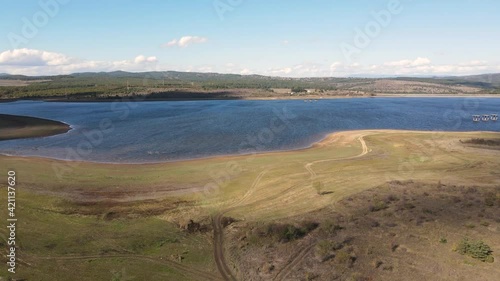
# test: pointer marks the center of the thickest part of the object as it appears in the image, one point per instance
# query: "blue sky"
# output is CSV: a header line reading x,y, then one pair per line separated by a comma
x,y
281,37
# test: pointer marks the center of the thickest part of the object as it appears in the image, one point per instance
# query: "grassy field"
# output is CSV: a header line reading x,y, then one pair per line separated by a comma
x,y
16,127
87,221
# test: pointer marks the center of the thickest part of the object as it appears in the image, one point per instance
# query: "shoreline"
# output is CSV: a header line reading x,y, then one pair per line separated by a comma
x,y
324,141
311,97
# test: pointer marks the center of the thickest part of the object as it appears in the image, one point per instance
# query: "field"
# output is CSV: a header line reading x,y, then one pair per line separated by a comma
x,y
359,205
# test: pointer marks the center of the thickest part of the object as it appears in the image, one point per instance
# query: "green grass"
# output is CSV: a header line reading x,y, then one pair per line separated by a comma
x,y
52,224
44,232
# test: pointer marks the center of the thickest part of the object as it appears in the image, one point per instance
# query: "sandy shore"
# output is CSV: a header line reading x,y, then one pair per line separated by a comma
x,y
334,138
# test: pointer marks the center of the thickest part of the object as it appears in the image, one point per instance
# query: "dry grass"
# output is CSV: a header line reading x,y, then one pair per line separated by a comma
x,y
273,188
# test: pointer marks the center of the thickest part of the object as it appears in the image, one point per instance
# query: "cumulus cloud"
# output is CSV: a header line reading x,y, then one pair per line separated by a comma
x,y
245,71
406,67
185,41
30,57
40,62
144,59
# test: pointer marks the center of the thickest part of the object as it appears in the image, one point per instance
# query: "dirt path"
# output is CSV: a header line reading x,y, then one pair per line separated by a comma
x,y
365,151
300,255
251,190
220,260
183,269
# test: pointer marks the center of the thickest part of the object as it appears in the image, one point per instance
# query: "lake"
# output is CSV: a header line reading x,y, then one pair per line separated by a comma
x,y
142,132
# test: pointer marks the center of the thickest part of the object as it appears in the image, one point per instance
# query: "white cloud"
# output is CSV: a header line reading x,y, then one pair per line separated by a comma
x,y
144,59
185,41
245,71
280,71
30,57
39,62
407,67
410,63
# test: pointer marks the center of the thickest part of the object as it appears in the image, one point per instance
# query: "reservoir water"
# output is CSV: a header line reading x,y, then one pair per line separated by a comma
x,y
141,132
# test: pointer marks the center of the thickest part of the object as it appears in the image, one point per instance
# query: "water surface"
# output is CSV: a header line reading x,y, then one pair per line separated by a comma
x,y
164,131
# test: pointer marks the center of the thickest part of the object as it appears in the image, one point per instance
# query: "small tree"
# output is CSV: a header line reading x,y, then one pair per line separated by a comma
x,y
318,186
299,89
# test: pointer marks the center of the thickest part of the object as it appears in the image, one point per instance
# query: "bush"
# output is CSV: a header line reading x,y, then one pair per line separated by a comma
x,y
324,250
287,232
331,227
378,206
318,186
475,249
343,257
299,90
490,199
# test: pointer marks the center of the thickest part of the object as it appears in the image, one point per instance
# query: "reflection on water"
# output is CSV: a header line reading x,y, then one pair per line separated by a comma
x,y
165,131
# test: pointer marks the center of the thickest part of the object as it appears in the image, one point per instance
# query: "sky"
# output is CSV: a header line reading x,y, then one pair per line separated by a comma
x,y
289,38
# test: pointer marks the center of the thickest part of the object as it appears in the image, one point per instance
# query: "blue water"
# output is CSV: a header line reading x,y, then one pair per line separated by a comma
x,y
164,131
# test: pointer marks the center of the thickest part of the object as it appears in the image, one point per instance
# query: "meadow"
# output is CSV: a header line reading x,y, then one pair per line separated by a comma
x,y
206,219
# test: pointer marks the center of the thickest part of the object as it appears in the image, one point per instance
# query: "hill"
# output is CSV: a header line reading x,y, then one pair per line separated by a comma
x,y
195,85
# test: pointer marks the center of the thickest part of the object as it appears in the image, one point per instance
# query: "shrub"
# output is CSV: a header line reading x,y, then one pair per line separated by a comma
x,y
331,227
485,223
408,206
470,225
475,249
343,257
318,186
378,206
490,199
392,198
324,250
288,232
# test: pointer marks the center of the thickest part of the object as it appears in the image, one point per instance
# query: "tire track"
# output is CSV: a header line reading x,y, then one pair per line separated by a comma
x,y
220,260
219,257
183,269
222,266
303,251
364,151
298,258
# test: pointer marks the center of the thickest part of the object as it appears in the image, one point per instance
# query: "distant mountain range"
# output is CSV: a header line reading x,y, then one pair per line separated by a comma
x,y
175,84
483,81
493,78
